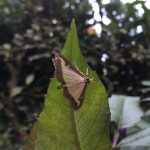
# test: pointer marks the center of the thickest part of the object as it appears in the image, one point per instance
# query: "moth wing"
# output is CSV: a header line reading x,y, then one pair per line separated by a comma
x,y
72,79
70,75
75,94
65,72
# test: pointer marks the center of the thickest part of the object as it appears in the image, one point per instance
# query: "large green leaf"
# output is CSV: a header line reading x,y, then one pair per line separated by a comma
x,y
59,126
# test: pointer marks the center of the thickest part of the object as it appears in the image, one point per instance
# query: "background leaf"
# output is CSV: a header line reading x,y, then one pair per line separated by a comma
x,y
30,79
125,110
141,138
146,83
15,91
135,148
59,126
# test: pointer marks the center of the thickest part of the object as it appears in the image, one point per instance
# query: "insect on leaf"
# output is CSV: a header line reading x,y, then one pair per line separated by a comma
x,y
59,125
72,80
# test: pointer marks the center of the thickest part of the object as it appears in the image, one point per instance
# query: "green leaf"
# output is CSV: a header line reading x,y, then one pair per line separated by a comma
x,y
59,126
141,138
125,110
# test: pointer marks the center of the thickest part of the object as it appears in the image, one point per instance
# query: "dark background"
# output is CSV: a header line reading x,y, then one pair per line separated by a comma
x,y
31,29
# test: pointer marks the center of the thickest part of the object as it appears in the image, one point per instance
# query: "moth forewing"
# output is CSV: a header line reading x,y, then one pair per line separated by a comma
x,y
72,80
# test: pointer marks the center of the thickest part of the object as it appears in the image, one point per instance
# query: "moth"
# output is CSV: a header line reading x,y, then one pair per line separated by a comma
x,y
73,82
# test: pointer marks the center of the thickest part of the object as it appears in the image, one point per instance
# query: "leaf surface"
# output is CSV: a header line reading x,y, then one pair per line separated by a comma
x,y
59,126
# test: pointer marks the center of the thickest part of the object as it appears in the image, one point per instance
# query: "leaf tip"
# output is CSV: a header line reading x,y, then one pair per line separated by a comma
x,y
73,24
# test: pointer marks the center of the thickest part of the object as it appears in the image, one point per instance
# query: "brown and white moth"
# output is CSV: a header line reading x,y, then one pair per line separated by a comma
x,y
72,80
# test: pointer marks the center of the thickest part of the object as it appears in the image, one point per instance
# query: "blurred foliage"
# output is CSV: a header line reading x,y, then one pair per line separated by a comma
x,y
129,123
31,29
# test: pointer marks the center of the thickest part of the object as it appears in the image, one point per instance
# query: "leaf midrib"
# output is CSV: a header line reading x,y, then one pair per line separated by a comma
x,y
75,132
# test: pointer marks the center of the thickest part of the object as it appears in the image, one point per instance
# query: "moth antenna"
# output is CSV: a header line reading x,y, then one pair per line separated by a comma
x,y
87,71
76,66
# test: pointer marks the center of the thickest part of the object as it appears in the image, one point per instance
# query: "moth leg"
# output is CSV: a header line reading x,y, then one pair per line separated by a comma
x,y
76,66
92,80
87,71
62,86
